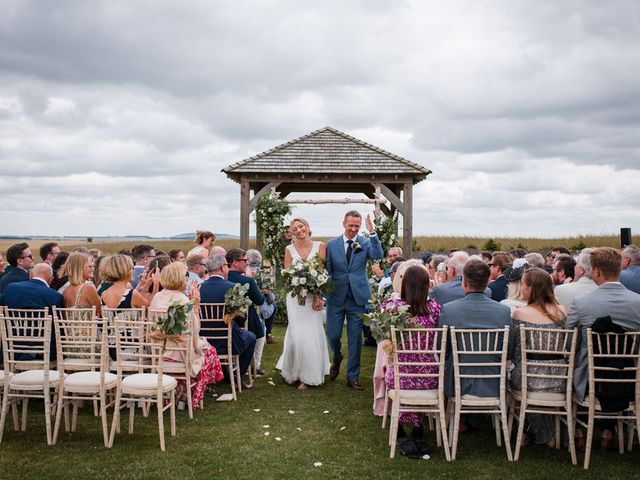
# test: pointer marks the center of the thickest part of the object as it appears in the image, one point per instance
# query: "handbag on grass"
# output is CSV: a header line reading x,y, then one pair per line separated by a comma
x,y
414,448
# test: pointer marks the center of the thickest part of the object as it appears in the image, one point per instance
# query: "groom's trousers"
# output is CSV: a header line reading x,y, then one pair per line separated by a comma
x,y
336,315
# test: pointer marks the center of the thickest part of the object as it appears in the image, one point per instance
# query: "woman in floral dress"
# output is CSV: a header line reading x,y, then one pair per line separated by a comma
x,y
413,292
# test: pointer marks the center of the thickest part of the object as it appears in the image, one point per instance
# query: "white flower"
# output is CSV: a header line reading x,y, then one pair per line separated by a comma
x,y
393,236
295,281
303,281
313,273
298,266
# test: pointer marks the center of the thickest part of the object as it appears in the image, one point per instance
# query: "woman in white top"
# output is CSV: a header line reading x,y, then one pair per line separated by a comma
x,y
204,241
305,358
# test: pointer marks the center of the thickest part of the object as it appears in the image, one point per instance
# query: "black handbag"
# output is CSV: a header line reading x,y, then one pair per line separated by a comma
x,y
414,448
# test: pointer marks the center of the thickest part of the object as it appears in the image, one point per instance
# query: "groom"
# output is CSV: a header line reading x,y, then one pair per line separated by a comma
x,y
347,258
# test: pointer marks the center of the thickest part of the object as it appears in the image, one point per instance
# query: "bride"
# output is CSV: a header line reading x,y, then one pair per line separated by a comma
x,y
305,357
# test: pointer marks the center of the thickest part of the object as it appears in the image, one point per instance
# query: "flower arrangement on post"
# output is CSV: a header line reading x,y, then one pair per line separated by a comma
x,y
270,214
306,278
236,302
174,324
264,280
381,320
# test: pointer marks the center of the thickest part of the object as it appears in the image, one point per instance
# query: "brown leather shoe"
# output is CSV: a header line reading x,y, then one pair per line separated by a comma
x,y
354,384
246,386
606,440
334,371
270,340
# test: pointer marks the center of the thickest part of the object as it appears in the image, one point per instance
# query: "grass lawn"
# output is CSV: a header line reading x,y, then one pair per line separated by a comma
x,y
227,440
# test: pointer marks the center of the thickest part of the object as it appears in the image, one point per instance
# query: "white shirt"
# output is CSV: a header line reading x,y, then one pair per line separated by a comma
x,y
345,240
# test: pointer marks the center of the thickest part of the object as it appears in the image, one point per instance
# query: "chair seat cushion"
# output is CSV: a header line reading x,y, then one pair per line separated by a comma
x,y
147,381
33,378
174,366
415,397
540,396
90,379
72,362
474,400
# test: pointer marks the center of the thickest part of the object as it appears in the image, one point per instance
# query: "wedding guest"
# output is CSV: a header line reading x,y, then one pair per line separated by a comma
x,y
515,297
34,293
542,311
499,285
630,276
610,299
59,280
213,290
49,251
486,256
204,241
425,313
535,260
563,270
392,255
452,289
97,275
197,268
117,271
95,253
20,262
582,283
142,255
177,255
217,249
267,311
552,256
435,261
205,365
1,266
398,279
386,284
80,292
81,249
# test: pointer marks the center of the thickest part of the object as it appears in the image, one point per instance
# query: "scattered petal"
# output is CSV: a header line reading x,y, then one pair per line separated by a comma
x,y
299,429
265,426
270,378
326,411
426,456
291,412
317,464
271,383
343,428
256,409
214,395
266,434
277,439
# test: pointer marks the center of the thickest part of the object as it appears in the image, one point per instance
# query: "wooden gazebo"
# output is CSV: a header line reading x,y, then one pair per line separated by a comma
x,y
329,160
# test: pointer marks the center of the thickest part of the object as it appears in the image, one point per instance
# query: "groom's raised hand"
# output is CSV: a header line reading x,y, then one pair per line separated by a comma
x,y
369,224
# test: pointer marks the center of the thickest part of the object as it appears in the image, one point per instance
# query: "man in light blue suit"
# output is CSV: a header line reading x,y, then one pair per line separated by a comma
x,y
630,276
452,290
347,257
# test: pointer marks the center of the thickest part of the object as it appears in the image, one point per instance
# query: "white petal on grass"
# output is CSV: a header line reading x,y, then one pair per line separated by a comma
x,y
291,412
266,434
271,383
299,429
343,428
265,426
317,464
277,439
426,456
256,409
326,411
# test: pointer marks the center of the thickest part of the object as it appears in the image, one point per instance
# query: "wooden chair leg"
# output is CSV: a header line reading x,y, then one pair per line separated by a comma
x,y
587,453
160,420
189,406
620,429
3,412
59,414
172,412
74,418
557,429
116,417
25,407
571,430
393,428
132,413
47,417
505,431
386,406
496,427
456,430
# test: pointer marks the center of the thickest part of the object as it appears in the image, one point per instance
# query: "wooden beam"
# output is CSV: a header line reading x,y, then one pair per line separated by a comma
x,y
393,198
260,193
383,208
245,190
407,219
341,201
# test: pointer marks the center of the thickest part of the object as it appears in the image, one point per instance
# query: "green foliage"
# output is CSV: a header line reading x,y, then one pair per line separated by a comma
x,y
471,246
270,214
578,246
381,320
176,320
491,245
520,245
387,231
89,239
236,300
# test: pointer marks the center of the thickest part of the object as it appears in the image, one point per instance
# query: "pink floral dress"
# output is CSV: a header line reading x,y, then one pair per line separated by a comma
x,y
419,383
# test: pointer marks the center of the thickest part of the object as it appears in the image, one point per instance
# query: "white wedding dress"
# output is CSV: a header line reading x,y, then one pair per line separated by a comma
x,y
305,357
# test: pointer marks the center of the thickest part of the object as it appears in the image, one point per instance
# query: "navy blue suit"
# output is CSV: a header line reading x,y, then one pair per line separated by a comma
x,y
499,288
11,275
256,296
33,294
243,343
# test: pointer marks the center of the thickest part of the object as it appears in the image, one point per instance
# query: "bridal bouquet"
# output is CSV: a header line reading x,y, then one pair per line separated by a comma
x,y
236,302
306,278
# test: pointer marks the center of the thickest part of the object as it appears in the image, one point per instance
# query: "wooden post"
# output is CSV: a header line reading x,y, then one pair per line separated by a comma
x,y
407,218
244,214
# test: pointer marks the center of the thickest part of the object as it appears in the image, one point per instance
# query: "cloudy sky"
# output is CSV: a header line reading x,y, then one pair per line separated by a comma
x,y
116,117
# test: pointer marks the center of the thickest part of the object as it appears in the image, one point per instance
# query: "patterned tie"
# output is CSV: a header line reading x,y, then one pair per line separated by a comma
x,y
349,250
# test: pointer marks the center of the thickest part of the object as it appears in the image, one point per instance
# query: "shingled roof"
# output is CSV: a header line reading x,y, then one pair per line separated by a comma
x,y
325,151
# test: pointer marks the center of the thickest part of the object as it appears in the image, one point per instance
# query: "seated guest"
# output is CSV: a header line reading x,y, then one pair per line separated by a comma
x,y
630,276
513,275
386,284
59,281
582,283
399,276
217,249
393,254
197,268
237,260
34,293
553,255
452,289
267,310
535,260
486,257
177,255
563,270
117,271
610,299
499,285
213,290
414,290
80,292
542,311
95,253
1,266
142,255
20,262
204,241
474,310
49,251
97,276
205,365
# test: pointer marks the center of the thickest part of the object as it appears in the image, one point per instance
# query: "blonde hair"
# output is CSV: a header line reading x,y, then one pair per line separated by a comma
x,y
202,235
116,267
173,276
74,266
412,262
302,221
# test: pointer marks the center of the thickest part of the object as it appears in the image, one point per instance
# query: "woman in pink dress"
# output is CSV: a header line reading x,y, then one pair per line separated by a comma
x,y
414,290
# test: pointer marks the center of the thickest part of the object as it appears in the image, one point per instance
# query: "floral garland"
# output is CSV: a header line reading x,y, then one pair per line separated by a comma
x,y
270,214
387,231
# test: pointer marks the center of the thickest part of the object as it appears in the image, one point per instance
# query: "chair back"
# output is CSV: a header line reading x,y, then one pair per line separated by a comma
x,y
81,343
213,325
136,351
26,312
542,345
416,348
26,343
614,368
109,314
76,313
480,356
182,349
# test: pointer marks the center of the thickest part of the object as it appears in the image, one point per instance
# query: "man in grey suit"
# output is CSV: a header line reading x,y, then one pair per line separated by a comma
x,y
630,276
475,310
611,298
452,289
582,283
